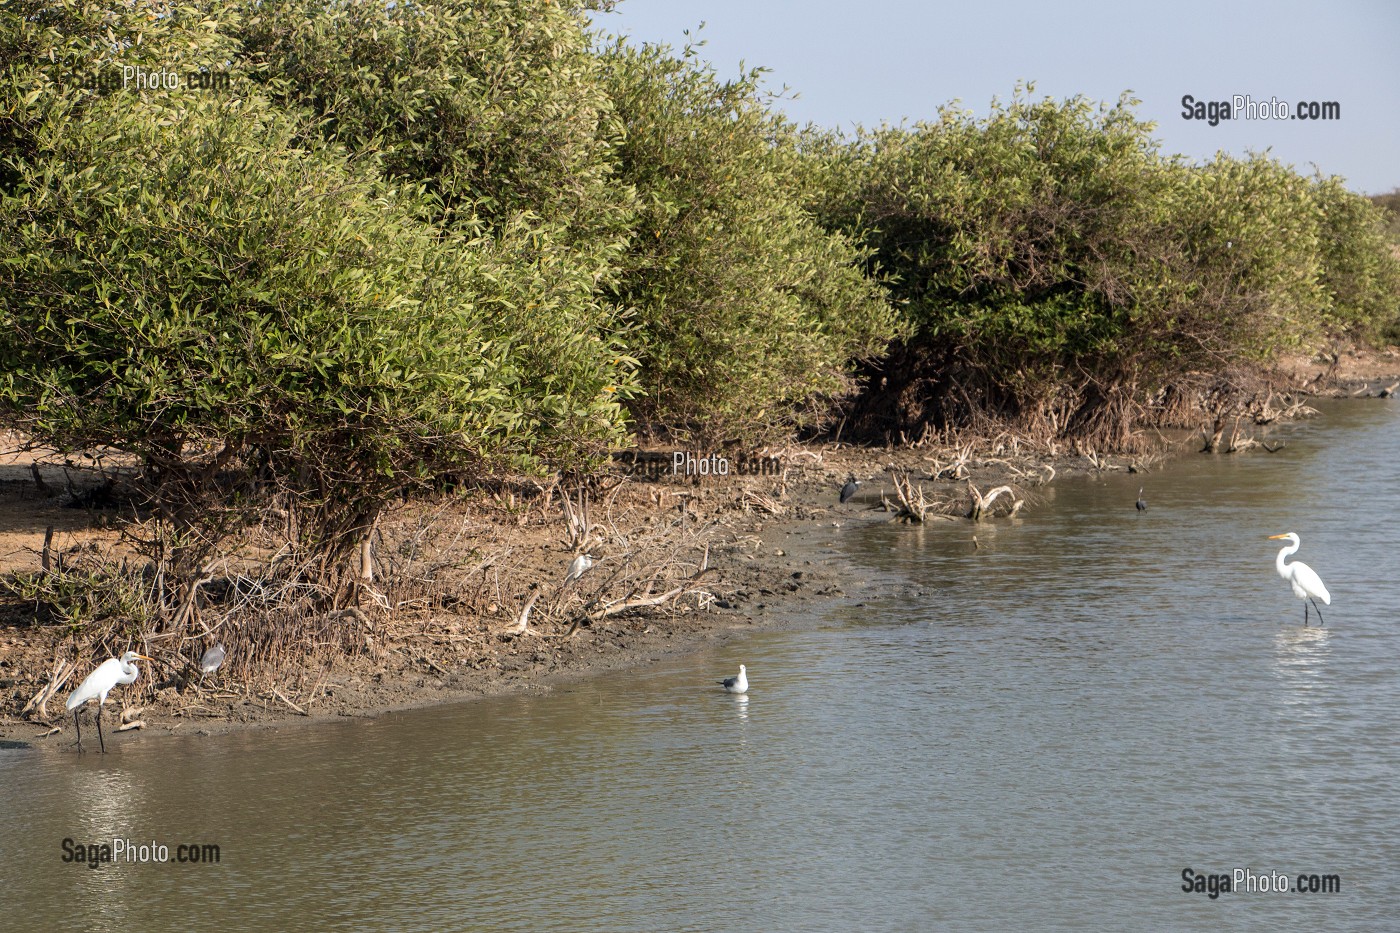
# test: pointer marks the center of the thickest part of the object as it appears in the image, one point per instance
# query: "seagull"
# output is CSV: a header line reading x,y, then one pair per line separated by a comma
x,y
210,661
739,684
107,675
579,566
849,490
1141,503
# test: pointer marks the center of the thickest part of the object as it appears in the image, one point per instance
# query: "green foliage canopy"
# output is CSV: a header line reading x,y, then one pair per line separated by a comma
x,y
747,309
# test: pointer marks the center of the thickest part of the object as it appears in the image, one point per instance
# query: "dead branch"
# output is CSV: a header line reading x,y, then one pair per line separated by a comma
x,y
914,506
522,625
578,529
62,671
760,501
278,693
612,609
982,504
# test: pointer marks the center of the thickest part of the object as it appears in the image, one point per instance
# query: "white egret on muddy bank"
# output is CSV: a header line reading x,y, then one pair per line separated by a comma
x,y
1306,583
108,674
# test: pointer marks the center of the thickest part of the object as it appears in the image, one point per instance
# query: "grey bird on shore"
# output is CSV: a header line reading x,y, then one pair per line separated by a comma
x,y
211,659
578,567
849,490
739,684
1141,503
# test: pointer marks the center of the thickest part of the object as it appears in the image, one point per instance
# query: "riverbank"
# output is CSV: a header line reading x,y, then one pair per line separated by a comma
x,y
764,542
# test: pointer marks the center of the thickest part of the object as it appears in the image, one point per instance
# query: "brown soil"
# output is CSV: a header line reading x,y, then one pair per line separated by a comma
x,y
767,539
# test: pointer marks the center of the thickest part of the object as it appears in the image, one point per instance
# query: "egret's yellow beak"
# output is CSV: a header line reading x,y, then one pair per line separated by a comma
x,y
1273,537
144,658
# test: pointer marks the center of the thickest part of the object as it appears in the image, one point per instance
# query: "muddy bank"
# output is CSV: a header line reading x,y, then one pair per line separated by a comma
x,y
765,542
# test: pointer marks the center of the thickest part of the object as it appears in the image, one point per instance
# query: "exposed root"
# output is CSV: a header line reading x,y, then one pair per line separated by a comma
x,y
981,507
37,704
913,506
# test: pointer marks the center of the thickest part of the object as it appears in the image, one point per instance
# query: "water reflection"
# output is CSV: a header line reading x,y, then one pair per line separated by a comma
x,y
1302,652
741,707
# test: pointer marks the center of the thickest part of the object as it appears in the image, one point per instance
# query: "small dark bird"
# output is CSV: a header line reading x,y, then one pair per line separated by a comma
x,y
849,490
1141,503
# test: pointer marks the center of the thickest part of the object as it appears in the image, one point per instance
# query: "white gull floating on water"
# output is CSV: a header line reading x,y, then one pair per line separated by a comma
x,y
739,684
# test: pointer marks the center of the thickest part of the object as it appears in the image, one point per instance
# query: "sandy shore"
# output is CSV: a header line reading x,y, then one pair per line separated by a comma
x,y
766,538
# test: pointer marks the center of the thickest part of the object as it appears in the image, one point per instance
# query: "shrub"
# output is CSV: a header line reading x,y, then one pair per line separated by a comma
x,y
192,279
1058,269
747,311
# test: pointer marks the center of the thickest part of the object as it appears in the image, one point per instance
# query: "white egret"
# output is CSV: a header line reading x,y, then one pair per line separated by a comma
x,y
1304,580
849,490
578,567
739,684
108,674
209,662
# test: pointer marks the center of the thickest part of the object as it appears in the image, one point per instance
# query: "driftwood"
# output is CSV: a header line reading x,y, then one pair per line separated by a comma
x,y
522,625
914,506
278,693
982,504
957,466
634,601
760,501
62,671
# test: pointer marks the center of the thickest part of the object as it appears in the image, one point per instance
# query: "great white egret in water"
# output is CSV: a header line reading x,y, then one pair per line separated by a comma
x,y
739,684
849,490
1304,580
209,662
578,567
108,674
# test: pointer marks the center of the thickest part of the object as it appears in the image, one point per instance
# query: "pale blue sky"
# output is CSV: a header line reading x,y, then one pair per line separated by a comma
x,y
880,60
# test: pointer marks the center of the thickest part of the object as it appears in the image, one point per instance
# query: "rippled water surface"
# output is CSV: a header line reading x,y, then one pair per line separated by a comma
x,y
1060,722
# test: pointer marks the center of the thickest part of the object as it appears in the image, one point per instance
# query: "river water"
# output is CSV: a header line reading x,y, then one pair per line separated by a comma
x,y
1042,735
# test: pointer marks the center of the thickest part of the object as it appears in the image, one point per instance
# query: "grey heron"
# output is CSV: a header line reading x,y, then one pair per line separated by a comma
x,y
209,662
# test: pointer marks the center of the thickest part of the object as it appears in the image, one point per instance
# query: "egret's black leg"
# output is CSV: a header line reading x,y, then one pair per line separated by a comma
x,y
100,740
1305,613
79,728
1320,620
